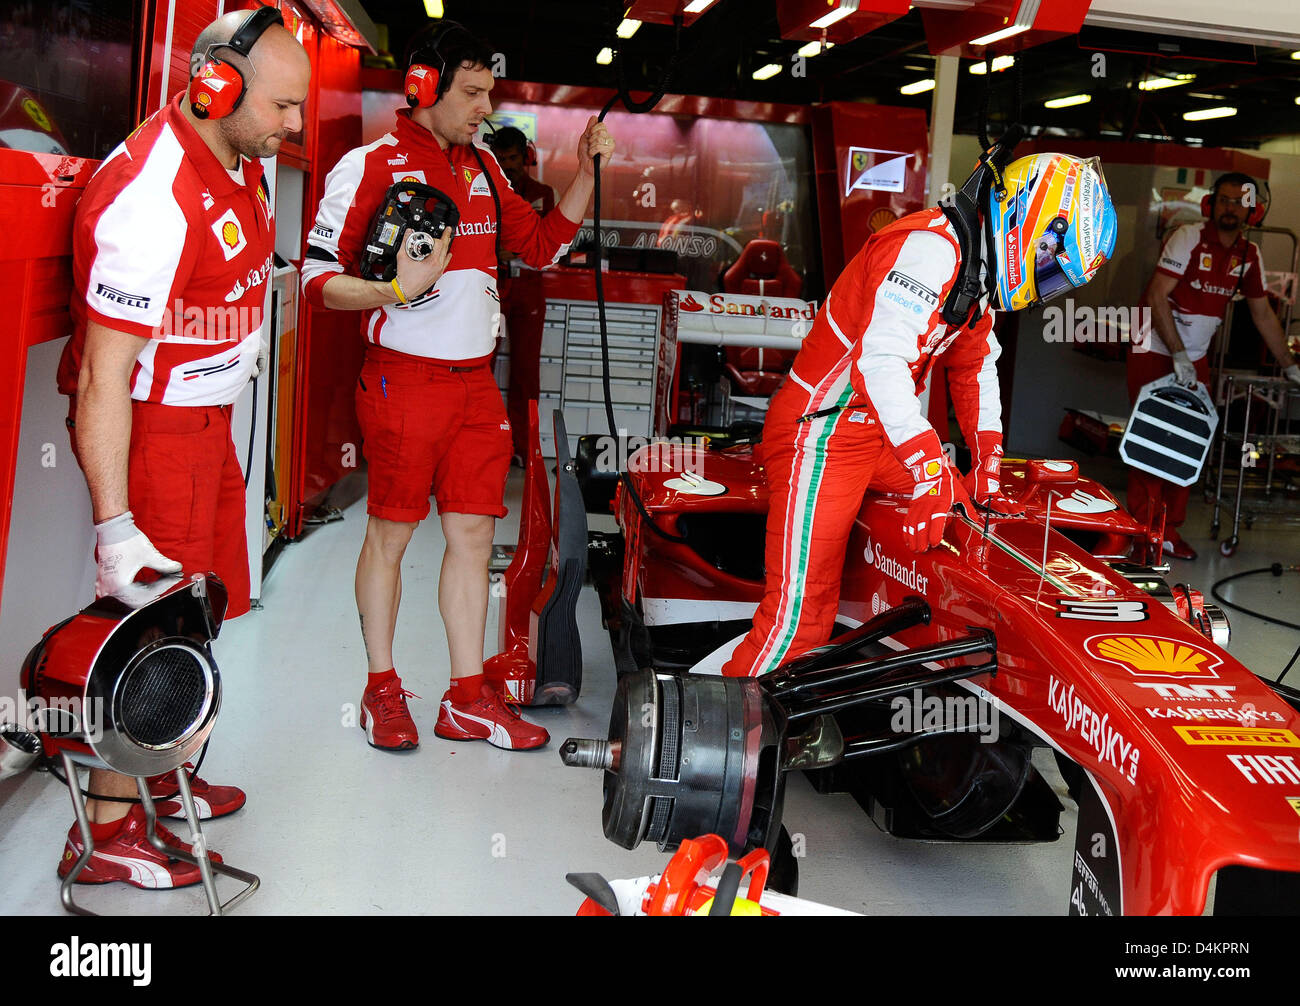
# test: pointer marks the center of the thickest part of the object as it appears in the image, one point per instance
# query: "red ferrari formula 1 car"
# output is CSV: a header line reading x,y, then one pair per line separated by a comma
x,y
949,669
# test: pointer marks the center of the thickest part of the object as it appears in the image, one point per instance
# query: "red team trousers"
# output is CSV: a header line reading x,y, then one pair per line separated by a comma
x,y
817,475
1146,492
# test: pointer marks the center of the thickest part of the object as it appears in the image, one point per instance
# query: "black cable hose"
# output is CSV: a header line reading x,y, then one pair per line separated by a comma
x,y
636,107
252,431
984,102
1277,569
1020,87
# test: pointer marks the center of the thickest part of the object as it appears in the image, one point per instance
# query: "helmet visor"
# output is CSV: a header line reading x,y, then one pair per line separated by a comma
x,y
1050,279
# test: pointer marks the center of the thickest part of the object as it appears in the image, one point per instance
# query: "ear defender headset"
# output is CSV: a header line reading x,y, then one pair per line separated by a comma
x,y
425,77
1257,212
218,88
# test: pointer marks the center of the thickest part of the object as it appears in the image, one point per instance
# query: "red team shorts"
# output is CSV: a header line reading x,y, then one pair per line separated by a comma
x,y
186,490
431,428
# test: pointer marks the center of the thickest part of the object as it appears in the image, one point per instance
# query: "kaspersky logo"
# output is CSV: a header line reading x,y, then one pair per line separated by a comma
x,y
1154,656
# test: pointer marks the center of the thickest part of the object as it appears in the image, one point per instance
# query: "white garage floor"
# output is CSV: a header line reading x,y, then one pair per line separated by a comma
x,y
335,827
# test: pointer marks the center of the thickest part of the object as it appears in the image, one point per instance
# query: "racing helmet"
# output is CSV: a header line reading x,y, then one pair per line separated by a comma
x,y
1051,226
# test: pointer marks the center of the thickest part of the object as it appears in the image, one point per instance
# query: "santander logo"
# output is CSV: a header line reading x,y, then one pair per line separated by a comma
x,y
689,303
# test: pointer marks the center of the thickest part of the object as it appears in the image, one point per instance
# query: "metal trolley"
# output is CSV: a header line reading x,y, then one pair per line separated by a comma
x,y
1268,463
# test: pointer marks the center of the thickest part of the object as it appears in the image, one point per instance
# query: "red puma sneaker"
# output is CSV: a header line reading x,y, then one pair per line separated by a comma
x,y
209,801
385,718
128,856
492,717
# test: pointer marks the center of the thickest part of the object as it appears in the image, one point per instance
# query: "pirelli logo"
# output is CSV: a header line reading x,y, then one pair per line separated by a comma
x,y
1255,737
913,287
122,297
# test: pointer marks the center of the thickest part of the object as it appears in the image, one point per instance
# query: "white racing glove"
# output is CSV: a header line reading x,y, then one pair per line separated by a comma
x,y
122,551
1184,369
1292,373
263,357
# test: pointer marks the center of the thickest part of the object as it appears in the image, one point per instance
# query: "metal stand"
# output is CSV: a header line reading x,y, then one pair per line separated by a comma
x,y
1273,394
206,866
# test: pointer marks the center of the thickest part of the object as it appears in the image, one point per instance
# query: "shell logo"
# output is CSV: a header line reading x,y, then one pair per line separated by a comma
x,y
932,468
1151,655
410,178
880,219
230,234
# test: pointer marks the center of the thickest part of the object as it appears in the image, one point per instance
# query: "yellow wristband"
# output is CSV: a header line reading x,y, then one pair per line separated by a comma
x,y
398,290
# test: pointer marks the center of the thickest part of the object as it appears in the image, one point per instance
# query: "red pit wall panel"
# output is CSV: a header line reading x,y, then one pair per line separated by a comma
x,y
330,346
877,134
37,202
185,19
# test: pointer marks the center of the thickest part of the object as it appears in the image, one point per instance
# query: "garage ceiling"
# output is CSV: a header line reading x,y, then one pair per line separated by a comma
x,y
557,42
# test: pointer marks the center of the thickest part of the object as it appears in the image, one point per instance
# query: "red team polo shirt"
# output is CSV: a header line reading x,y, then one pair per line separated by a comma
x,y
170,245
456,320
1208,276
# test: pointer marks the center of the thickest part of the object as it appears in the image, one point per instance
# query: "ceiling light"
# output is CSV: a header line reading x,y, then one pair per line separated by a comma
x,y
1073,99
917,87
770,70
433,8
998,36
698,6
627,27
815,48
1296,54
1160,83
845,8
999,63
1207,97
605,56
1222,112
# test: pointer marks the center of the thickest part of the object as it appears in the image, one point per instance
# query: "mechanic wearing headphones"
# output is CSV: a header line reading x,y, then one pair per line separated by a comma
x,y
175,220
430,413
523,301
1202,267
848,416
